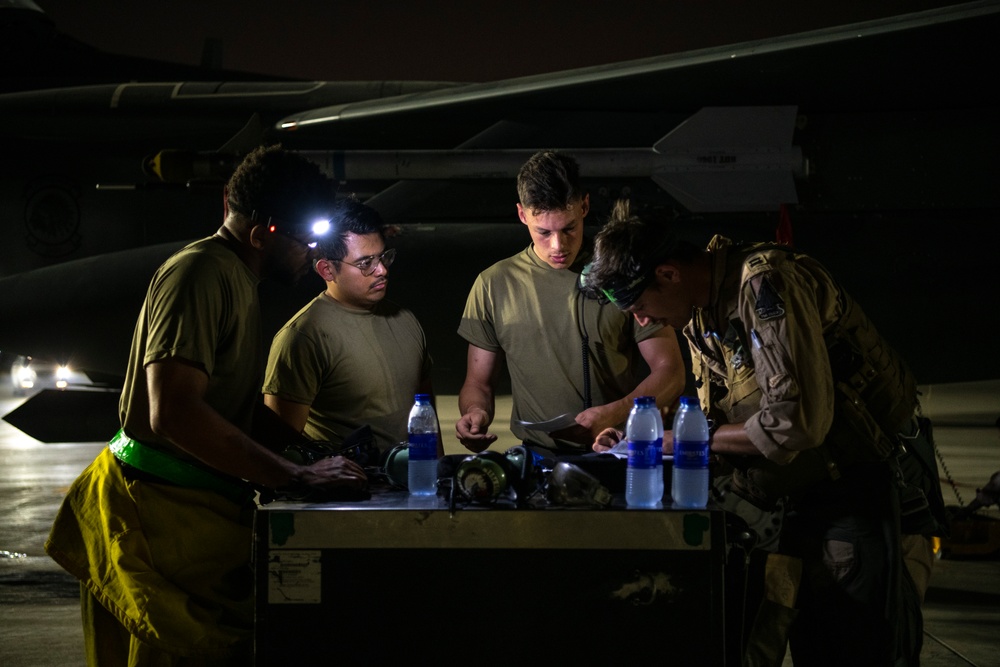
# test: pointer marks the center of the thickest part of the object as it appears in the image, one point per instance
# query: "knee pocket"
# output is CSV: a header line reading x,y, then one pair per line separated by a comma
x,y
836,566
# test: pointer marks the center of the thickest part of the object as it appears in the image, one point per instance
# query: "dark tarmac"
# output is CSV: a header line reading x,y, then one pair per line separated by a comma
x,y
39,608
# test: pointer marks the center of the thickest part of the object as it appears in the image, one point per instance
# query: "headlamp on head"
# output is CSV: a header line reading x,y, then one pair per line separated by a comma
x,y
307,232
321,227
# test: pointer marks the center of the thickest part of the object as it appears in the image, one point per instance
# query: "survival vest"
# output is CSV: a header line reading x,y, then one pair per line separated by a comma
x,y
875,397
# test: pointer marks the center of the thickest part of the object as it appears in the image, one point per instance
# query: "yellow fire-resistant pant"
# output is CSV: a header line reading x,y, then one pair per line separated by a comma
x,y
171,565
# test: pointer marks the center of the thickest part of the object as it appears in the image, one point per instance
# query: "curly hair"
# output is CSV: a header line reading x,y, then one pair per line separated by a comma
x,y
349,216
548,181
279,183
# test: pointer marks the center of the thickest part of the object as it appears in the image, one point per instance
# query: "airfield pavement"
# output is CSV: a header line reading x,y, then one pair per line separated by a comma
x,y
39,609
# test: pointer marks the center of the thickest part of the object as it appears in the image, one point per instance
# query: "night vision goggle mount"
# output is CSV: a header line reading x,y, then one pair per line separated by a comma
x,y
625,289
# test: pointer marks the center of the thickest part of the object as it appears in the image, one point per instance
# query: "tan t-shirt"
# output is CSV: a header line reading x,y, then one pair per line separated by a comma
x,y
201,306
537,318
351,366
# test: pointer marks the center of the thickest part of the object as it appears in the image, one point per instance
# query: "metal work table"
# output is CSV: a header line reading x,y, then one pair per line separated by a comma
x,y
398,578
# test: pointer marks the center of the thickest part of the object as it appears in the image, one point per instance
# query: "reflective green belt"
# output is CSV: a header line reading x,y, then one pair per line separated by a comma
x,y
172,469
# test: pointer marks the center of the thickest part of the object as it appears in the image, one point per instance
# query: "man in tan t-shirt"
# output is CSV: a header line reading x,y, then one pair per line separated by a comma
x,y
565,355
350,357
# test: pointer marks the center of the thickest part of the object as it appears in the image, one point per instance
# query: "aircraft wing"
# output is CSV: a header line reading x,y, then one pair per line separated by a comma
x,y
896,113
922,60
882,133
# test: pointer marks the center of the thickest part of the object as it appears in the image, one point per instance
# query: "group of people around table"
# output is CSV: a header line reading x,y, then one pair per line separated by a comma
x,y
158,528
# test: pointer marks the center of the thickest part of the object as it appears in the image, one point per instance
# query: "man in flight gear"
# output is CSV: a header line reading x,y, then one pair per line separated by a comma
x,y
811,406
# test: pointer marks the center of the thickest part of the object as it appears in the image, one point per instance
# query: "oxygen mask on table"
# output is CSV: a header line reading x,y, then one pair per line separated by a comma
x,y
571,485
489,476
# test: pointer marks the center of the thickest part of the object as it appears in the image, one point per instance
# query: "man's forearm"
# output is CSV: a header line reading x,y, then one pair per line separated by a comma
x,y
270,430
733,439
218,443
663,384
471,397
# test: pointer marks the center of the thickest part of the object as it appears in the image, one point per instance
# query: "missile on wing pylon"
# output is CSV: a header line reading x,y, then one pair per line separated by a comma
x,y
729,159
722,159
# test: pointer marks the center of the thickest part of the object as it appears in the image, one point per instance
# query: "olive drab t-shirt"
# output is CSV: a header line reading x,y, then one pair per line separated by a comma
x,y
202,306
353,367
537,318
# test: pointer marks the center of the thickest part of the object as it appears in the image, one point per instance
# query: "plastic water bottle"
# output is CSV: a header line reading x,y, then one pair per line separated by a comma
x,y
644,432
423,441
689,484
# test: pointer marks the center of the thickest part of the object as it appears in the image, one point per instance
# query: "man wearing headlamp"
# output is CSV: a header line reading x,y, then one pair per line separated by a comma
x,y
813,405
158,528
350,357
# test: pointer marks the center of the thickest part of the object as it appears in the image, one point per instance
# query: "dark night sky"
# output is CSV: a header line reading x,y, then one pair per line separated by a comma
x,y
441,39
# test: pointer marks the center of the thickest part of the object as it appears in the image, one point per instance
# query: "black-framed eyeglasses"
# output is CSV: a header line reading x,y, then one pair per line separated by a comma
x,y
367,265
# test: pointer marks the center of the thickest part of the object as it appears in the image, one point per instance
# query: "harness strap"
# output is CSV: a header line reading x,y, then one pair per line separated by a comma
x,y
171,469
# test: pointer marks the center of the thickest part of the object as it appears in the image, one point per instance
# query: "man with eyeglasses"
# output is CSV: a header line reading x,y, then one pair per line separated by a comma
x,y
566,355
350,357
158,529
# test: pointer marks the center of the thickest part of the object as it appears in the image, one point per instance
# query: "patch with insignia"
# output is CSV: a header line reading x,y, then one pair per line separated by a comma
x,y
769,305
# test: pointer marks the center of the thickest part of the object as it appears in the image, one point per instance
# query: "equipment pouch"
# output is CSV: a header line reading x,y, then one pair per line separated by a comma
x,y
763,483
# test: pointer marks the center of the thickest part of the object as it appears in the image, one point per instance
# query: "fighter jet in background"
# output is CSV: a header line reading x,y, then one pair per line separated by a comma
x,y
876,140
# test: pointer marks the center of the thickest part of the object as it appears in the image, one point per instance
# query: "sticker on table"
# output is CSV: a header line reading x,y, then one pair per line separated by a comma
x,y
294,577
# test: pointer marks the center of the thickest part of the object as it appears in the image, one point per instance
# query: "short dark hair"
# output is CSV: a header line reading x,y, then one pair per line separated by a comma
x,y
548,181
271,181
349,216
627,251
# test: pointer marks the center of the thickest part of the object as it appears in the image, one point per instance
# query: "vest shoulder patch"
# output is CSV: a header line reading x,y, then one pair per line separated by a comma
x,y
769,304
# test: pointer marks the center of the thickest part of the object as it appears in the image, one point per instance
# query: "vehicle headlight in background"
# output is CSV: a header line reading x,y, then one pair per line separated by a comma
x,y
25,377
62,376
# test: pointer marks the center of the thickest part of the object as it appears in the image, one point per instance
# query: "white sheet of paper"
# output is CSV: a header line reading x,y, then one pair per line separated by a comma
x,y
621,451
550,425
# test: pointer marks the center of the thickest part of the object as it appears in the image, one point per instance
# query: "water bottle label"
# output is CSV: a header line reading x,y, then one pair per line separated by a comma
x,y
423,446
645,454
690,455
